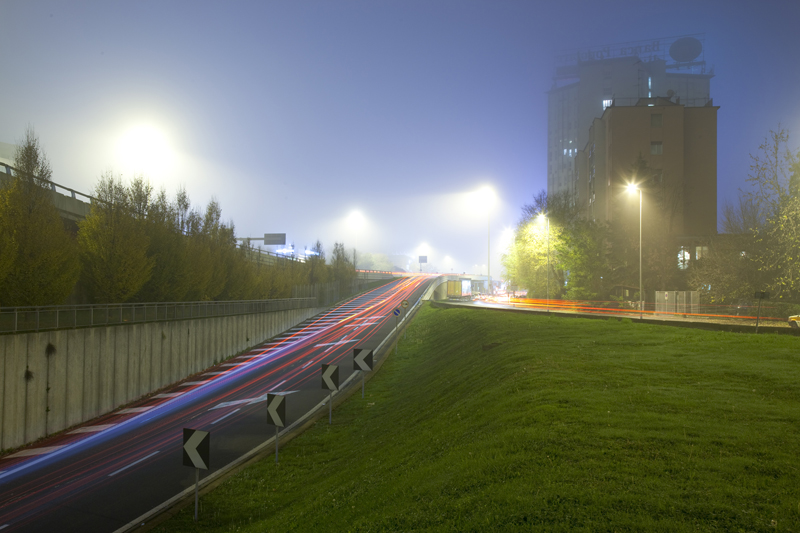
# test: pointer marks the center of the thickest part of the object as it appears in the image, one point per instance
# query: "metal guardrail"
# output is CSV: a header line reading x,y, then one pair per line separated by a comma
x,y
25,319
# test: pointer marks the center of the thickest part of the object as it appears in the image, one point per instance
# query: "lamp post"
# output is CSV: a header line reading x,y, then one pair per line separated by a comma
x,y
632,187
546,221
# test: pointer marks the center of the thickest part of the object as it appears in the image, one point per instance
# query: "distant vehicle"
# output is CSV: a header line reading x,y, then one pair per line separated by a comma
x,y
459,289
793,321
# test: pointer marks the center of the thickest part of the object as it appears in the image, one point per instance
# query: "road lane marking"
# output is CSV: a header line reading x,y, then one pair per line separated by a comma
x,y
133,463
190,383
305,365
167,395
35,451
134,410
4,526
228,404
334,343
91,429
224,417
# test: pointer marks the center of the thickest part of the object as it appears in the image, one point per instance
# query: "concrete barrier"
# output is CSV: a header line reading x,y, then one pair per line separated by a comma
x,y
53,380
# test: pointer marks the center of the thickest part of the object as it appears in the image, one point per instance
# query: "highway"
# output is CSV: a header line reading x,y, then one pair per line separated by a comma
x,y
101,476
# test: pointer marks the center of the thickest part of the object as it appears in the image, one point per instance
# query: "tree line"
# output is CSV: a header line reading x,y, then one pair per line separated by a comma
x,y
136,245
579,259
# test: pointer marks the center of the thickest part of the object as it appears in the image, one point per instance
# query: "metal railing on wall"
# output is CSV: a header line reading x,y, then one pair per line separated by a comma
x,y
25,319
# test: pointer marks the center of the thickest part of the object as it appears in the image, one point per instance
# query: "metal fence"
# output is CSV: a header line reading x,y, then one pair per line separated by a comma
x,y
21,319
677,302
329,293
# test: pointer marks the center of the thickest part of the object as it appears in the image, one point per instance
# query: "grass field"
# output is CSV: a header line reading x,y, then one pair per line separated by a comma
x,y
492,421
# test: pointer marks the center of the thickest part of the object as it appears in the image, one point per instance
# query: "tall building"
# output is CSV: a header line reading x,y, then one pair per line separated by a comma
x,y
676,147
588,81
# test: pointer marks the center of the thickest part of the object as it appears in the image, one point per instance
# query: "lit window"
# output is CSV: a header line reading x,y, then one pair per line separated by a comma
x,y
683,258
656,148
656,120
606,103
700,252
565,151
649,87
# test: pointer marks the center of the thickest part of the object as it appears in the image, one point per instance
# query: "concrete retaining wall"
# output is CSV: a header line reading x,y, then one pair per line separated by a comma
x,y
52,380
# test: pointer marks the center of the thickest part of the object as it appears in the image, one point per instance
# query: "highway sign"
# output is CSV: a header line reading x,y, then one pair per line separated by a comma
x,y
330,377
404,304
274,238
362,359
276,409
196,445
397,311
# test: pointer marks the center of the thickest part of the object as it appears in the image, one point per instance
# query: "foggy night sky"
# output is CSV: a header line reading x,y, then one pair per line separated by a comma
x,y
295,113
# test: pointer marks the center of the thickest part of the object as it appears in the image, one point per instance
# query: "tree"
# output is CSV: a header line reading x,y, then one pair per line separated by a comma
x,y
45,265
730,269
169,280
775,177
8,245
342,269
113,243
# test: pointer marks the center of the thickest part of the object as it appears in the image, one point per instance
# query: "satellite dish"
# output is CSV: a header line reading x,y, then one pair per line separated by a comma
x,y
685,49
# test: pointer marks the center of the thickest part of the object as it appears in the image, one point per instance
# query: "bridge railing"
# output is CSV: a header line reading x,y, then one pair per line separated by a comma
x,y
25,319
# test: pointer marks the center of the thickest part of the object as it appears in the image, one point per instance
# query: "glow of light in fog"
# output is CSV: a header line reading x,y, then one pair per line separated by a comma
x,y
356,220
145,149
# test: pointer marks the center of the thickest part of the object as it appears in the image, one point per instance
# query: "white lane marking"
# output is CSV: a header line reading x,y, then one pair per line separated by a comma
x,y
167,395
334,343
4,526
258,400
224,417
35,451
190,383
281,383
134,410
91,429
133,463
305,365
228,404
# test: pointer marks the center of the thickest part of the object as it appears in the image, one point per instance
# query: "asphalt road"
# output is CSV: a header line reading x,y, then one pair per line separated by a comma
x,y
103,475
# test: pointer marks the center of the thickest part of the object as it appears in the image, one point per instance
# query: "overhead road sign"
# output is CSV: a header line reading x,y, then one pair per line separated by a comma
x,y
362,359
196,447
275,238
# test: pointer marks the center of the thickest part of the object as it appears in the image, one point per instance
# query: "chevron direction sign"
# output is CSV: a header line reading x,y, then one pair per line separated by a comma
x,y
196,445
276,408
362,359
330,377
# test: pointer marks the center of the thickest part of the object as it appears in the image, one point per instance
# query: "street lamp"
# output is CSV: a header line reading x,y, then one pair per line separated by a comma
x,y
487,194
543,218
632,187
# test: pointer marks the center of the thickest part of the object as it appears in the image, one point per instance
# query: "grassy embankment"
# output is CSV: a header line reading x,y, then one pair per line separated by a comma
x,y
497,421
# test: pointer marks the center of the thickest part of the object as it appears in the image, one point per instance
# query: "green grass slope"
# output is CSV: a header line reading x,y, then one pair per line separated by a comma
x,y
492,421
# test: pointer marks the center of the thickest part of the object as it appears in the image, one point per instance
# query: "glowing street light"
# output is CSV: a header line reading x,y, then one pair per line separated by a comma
x,y
543,219
633,187
488,196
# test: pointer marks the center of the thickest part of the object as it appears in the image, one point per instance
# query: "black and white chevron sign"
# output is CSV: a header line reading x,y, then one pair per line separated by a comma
x,y
276,409
196,448
330,377
362,359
